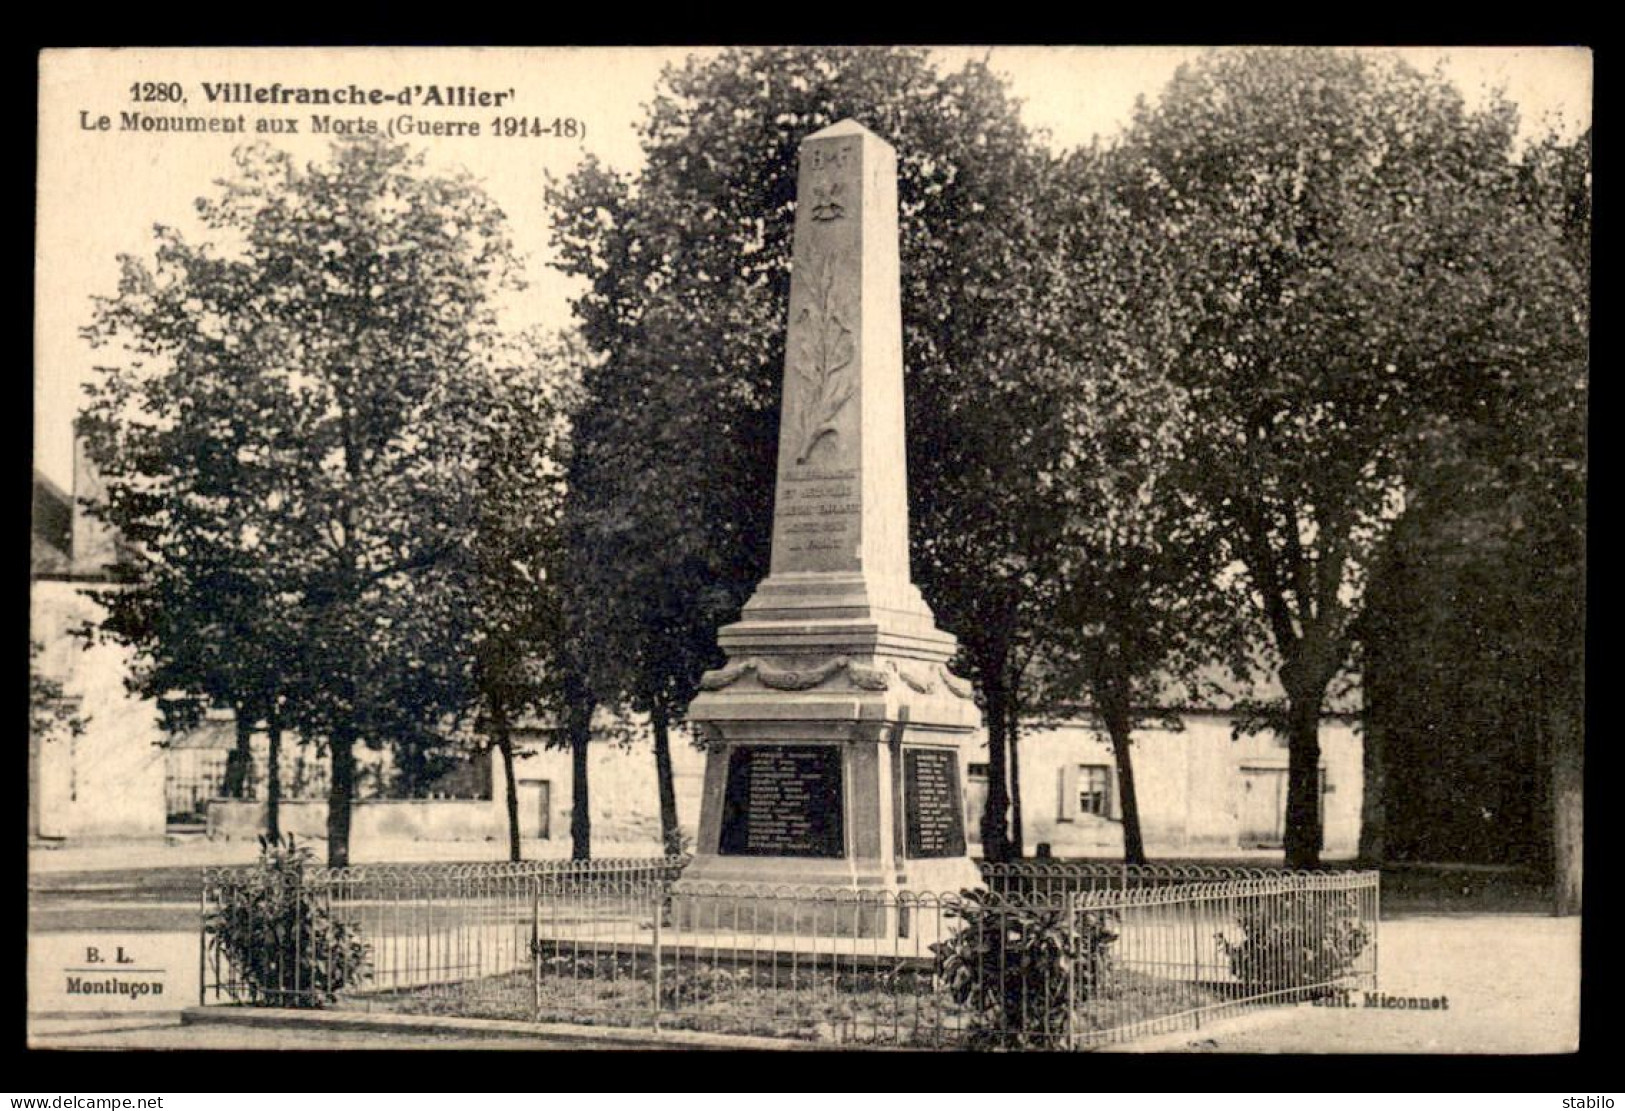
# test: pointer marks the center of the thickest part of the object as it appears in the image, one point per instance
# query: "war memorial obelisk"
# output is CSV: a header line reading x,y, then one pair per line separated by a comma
x,y
834,733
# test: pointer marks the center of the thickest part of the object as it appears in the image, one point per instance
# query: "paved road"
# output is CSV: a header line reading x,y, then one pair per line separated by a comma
x,y
1512,982
85,1034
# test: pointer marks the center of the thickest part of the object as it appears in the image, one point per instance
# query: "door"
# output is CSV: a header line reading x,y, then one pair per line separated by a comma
x,y
1263,808
536,799
544,809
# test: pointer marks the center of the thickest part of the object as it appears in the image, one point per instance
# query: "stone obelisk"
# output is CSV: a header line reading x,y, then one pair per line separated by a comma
x,y
834,732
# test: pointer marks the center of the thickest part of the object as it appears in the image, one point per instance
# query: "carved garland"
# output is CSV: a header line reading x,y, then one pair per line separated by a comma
x,y
956,686
801,679
914,682
794,679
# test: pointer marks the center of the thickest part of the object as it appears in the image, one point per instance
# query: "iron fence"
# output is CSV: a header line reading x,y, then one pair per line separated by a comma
x,y
1064,957
1044,878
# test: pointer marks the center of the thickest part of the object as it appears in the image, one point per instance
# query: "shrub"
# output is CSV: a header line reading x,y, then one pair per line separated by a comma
x,y
1020,967
283,944
1296,940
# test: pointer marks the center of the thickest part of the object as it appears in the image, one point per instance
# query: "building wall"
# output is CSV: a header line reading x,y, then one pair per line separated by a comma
x,y
370,820
1194,785
1194,788
110,780
623,793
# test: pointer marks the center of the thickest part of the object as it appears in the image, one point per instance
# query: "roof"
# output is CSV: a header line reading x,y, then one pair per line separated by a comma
x,y
1213,689
51,549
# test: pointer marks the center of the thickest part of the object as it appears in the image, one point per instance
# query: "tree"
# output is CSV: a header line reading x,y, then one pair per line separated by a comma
x,y
510,560
1352,265
687,268
1475,630
279,416
1136,616
642,581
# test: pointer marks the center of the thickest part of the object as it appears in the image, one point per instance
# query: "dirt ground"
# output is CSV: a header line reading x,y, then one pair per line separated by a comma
x,y
1512,983
163,1034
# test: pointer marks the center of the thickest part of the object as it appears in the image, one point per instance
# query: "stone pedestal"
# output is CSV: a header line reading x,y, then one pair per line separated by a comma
x,y
834,733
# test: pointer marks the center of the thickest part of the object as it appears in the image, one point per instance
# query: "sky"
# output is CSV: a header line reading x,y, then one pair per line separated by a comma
x,y
102,186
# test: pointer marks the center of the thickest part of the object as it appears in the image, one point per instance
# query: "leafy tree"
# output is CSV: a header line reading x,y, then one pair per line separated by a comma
x,y
278,417
641,587
1475,631
510,561
1136,616
1351,265
687,268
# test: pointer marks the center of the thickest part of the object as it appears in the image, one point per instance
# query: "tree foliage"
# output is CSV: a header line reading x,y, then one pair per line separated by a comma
x,y
688,276
508,563
281,437
1476,630
1351,267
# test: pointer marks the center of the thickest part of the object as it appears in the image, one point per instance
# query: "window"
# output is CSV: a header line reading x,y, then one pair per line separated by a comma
x,y
976,771
1093,790
1086,789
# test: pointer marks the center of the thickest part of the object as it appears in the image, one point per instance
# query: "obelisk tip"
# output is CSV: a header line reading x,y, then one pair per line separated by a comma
x,y
844,127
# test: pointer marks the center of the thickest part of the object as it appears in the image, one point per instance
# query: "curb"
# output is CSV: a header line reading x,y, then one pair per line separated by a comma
x,y
1211,1031
617,1037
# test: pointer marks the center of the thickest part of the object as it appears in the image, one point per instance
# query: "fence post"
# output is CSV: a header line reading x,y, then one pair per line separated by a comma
x,y
536,949
659,910
1376,926
1074,943
1196,945
202,940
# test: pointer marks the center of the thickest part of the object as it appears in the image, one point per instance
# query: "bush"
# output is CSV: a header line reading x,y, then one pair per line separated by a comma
x,y
1296,939
284,945
1019,968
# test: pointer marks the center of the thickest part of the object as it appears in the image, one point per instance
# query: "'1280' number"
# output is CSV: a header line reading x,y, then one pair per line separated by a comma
x,y
164,91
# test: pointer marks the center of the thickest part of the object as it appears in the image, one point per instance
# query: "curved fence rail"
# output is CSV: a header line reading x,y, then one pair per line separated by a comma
x,y
1060,955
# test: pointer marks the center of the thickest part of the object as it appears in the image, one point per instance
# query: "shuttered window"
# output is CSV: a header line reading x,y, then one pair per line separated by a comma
x,y
1086,789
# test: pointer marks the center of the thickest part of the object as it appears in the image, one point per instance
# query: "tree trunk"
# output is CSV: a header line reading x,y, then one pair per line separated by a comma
x,y
995,833
1012,739
273,775
503,736
1119,721
240,761
580,730
1373,791
670,836
1563,725
340,796
1303,825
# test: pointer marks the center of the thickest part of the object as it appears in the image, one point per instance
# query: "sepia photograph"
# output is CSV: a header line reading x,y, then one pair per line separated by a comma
x,y
1055,549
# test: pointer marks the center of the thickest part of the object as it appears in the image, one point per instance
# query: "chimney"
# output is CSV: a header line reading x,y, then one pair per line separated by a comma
x,y
92,541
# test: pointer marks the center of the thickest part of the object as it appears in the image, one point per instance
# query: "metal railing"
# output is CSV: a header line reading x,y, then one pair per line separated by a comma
x,y
1056,878
1047,957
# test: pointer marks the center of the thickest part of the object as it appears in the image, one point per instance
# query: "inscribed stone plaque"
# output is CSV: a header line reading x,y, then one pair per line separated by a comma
x,y
783,800
934,818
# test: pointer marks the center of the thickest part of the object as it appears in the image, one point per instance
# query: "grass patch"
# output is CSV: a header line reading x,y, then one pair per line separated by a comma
x,y
902,1006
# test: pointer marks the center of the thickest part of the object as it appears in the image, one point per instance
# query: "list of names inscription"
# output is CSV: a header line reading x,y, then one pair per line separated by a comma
x,y
934,820
783,800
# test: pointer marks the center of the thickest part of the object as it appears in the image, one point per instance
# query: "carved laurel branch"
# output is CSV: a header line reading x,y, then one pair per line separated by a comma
x,y
822,357
794,679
